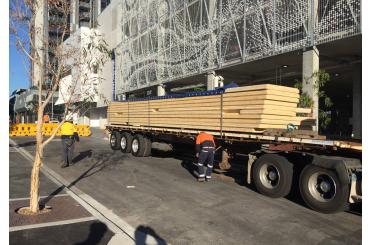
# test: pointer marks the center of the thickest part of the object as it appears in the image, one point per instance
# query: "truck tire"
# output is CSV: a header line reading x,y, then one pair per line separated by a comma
x,y
322,190
139,145
115,140
126,142
148,147
272,175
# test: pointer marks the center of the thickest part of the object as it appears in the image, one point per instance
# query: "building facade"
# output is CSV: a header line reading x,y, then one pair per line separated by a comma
x,y
168,45
162,47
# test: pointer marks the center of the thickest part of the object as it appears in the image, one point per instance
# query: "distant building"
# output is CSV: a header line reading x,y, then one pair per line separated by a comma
x,y
12,101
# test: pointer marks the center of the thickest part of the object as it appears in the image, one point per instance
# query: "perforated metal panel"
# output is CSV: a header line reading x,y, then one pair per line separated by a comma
x,y
168,40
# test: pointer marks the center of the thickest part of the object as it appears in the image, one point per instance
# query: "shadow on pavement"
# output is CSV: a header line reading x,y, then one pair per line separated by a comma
x,y
98,166
143,231
82,155
96,233
25,144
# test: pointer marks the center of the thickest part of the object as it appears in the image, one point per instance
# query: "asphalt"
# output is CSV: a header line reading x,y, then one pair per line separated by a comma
x,y
159,196
82,233
41,230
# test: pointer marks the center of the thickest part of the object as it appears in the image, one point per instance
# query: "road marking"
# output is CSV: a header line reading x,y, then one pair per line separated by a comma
x,y
25,198
102,213
63,222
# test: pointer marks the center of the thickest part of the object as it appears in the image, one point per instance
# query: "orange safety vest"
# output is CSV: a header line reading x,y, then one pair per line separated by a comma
x,y
202,137
46,118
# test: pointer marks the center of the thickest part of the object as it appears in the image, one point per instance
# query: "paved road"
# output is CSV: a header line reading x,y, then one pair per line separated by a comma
x,y
160,195
63,227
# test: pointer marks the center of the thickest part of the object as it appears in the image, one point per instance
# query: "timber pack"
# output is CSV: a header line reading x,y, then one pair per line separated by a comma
x,y
252,109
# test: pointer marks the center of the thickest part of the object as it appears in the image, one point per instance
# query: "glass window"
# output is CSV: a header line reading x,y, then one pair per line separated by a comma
x,y
104,4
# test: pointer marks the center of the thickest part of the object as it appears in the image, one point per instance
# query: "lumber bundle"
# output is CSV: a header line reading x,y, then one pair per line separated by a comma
x,y
244,109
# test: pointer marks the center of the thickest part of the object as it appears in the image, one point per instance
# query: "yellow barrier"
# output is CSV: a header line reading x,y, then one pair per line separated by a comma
x,y
29,129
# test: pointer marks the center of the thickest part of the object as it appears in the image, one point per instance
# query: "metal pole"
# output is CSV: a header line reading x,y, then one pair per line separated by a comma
x,y
52,108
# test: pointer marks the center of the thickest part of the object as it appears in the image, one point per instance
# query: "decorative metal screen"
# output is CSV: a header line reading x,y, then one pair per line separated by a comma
x,y
165,40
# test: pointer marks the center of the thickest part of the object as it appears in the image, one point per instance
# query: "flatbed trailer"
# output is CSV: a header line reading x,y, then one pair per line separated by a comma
x,y
328,173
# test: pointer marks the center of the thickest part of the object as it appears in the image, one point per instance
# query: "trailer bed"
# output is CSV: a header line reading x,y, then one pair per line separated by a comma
x,y
258,136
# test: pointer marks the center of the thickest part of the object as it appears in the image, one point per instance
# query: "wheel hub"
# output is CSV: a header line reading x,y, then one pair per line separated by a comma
x,y
123,143
113,140
135,145
272,175
325,186
322,187
269,175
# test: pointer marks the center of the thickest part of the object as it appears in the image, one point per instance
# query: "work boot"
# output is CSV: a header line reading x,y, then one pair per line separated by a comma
x,y
64,165
201,179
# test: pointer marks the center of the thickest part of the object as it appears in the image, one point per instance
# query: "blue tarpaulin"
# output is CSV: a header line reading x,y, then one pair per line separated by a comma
x,y
190,94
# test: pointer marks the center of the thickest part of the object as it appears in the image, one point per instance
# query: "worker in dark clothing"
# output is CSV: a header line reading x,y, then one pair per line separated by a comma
x,y
204,147
68,137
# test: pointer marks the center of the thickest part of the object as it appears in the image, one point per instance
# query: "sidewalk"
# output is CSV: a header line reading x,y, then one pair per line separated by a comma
x,y
68,222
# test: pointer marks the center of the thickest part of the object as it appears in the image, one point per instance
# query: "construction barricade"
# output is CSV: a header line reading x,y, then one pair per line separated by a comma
x,y
29,129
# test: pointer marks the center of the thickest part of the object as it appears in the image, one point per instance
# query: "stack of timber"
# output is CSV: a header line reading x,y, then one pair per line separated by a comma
x,y
244,109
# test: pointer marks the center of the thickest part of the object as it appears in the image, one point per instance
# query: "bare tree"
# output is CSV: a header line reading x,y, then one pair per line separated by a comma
x,y
69,63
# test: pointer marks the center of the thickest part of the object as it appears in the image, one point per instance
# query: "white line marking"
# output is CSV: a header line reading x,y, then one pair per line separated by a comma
x,y
41,197
105,215
63,222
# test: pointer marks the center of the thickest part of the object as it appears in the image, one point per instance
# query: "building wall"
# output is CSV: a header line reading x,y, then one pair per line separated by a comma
x,y
168,40
109,26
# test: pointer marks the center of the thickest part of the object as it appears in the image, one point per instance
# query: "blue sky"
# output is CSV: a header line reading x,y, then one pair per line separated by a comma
x,y
18,63
18,67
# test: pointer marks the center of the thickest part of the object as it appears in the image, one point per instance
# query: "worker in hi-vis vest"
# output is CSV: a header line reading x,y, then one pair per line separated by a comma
x,y
204,147
68,136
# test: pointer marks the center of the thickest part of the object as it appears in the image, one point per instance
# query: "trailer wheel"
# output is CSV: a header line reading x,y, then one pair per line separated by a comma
x,y
322,190
115,140
139,145
148,147
272,175
126,142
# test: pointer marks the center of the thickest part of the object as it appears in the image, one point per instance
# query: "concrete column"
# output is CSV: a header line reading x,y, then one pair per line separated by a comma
x,y
357,101
210,80
212,42
160,90
74,13
39,42
310,65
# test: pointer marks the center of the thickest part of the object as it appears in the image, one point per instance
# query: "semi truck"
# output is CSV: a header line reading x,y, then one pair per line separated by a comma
x,y
328,173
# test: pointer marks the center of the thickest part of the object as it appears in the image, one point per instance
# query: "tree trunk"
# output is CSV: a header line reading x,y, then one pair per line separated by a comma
x,y
35,183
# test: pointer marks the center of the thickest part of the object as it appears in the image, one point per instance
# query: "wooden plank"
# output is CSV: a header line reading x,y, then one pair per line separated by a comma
x,y
261,92
304,110
216,103
262,87
216,127
204,123
215,121
205,127
265,102
215,115
261,106
233,111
